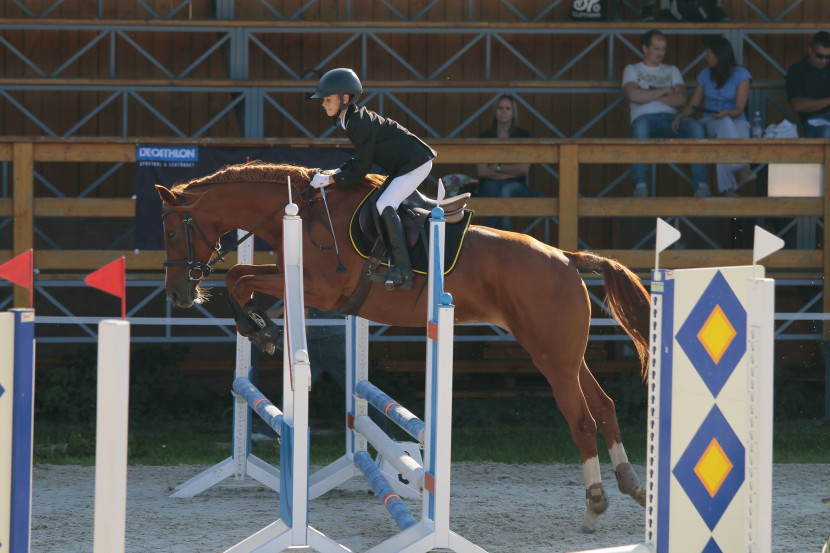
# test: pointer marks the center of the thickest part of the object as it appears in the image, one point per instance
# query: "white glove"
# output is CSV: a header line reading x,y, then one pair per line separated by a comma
x,y
320,180
331,171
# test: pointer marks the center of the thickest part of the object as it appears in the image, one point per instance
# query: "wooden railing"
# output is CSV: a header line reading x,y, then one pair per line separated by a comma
x,y
568,207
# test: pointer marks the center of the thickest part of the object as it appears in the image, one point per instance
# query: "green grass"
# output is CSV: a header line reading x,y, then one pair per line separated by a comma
x,y
193,441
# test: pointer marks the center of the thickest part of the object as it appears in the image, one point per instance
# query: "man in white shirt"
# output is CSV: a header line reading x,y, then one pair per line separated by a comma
x,y
655,91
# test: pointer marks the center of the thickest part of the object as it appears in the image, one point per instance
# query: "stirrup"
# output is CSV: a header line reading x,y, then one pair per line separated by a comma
x,y
392,278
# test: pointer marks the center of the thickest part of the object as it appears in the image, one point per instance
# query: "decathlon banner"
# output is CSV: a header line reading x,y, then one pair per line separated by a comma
x,y
710,411
171,165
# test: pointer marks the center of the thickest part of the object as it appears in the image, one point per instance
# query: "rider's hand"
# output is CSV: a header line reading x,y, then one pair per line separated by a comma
x,y
320,180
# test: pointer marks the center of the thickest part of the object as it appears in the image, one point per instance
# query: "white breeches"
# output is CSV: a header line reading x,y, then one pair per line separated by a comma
x,y
727,128
401,187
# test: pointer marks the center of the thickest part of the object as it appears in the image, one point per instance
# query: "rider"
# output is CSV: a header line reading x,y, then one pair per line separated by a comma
x,y
405,157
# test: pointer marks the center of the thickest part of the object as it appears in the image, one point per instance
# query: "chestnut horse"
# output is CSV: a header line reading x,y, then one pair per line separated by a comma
x,y
508,279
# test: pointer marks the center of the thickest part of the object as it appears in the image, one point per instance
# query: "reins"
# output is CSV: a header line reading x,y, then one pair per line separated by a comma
x,y
206,269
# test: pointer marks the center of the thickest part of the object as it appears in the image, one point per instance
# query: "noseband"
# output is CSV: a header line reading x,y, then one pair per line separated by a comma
x,y
198,269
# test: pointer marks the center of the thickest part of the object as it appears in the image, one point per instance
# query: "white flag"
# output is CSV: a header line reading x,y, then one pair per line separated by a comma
x,y
765,244
666,235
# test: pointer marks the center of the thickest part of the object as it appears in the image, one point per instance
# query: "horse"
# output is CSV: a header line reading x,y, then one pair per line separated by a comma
x,y
507,279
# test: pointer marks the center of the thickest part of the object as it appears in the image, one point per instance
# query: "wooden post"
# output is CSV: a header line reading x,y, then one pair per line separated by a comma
x,y
23,212
568,196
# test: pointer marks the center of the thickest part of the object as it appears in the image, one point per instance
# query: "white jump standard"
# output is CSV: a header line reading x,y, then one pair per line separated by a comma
x,y
291,529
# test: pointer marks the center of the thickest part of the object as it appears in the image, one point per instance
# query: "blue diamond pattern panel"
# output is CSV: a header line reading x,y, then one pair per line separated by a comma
x,y
717,309
712,547
712,450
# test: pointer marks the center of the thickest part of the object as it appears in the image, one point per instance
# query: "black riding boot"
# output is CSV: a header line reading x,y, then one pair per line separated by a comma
x,y
400,273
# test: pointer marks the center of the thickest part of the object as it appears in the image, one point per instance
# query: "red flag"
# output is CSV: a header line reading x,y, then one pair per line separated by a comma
x,y
112,279
19,270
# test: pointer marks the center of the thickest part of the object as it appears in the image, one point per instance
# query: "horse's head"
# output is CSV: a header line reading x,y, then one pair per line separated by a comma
x,y
188,247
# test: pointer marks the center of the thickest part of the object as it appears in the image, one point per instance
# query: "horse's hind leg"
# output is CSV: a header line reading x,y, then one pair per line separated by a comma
x,y
572,404
603,410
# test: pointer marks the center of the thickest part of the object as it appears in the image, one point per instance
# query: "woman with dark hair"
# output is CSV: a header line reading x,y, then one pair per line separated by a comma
x,y
721,95
504,180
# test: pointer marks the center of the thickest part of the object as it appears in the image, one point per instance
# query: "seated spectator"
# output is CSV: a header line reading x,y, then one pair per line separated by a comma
x,y
808,87
655,91
721,95
504,180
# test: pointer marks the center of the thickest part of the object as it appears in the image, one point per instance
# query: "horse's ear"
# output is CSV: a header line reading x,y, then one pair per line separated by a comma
x,y
166,195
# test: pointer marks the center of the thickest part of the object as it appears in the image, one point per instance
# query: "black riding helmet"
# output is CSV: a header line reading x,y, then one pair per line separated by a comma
x,y
339,81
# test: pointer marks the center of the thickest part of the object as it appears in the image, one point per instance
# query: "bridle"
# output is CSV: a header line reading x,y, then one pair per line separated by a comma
x,y
199,269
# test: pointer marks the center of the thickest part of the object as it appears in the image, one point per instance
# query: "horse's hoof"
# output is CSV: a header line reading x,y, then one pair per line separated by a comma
x,y
267,342
596,499
629,484
585,530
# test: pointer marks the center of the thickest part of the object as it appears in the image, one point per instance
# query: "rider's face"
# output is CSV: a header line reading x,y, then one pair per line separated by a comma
x,y
331,104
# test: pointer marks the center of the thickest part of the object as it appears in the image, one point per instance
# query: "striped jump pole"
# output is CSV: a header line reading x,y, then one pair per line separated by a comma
x,y
17,391
291,529
430,480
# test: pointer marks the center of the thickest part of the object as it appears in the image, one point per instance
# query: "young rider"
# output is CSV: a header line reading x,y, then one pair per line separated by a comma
x,y
377,140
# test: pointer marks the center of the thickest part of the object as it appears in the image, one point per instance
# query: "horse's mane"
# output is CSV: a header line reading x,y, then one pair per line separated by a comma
x,y
259,171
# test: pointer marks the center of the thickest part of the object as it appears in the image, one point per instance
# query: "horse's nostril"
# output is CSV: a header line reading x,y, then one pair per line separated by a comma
x,y
174,298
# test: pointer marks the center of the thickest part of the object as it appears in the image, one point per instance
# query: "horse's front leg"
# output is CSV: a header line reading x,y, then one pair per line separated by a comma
x,y
242,281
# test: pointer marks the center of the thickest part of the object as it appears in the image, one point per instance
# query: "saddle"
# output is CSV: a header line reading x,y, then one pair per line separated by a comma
x,y
414,212
366,236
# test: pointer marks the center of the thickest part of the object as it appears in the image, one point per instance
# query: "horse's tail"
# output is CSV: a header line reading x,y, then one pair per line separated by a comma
x,y
626,297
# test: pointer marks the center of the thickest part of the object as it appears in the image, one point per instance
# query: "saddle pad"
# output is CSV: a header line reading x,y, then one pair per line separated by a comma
x,y
454,237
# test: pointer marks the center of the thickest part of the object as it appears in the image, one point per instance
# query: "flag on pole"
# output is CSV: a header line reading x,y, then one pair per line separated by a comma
x,y
666,236
766,243
112,279
20,270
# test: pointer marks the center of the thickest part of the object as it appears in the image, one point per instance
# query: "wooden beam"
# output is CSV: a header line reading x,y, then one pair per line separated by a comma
x,y
23,193
699,207
687,259
6,152
142,260
515,207
568,192
704,151
513,151
84,152
84,207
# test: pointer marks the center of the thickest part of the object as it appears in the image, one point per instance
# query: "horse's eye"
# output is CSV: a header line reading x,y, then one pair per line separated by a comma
x,y
171,234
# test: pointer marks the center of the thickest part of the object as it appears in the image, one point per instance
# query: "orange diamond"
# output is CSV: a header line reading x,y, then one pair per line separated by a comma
x,y
716,334
713,467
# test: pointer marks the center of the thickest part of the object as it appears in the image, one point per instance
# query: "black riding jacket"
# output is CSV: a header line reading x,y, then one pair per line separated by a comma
x,y
382,141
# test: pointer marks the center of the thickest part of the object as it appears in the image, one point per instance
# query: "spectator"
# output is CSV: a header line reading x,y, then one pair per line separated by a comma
x,y
655,91
808,87
504,180
721,95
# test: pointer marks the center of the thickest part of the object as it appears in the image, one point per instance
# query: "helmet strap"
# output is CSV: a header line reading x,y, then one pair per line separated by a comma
x,y
344,105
